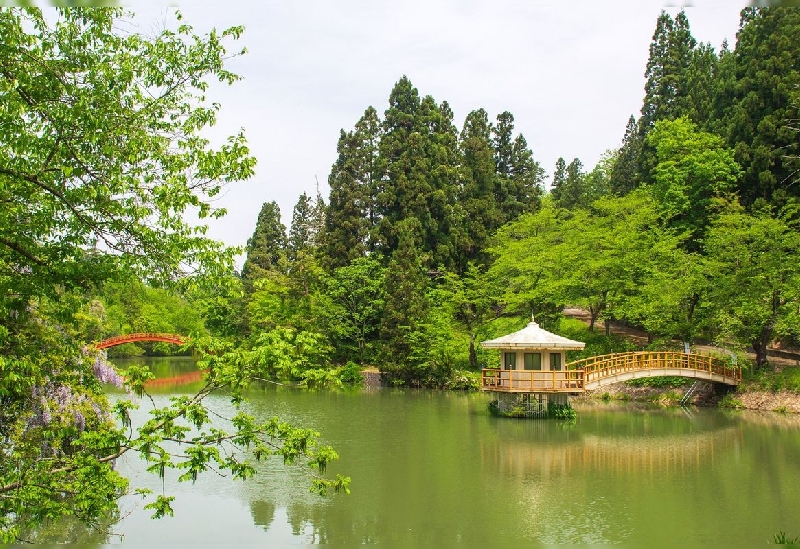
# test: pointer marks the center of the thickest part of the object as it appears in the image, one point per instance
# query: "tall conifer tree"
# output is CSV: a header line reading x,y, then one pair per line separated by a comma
x,y
351,217
482,212
406,305
667,93
766,105
559,177
266,249
527,177
625,175
402,148
302,233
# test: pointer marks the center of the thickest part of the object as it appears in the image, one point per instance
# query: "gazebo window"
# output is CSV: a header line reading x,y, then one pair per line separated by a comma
x,y
510,361
533,361
555,361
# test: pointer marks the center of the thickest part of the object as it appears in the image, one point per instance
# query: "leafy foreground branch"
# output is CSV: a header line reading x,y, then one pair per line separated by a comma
x,y
104,178
74,474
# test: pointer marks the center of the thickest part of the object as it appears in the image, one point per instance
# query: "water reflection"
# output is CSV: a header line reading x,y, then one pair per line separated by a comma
x,y
435,468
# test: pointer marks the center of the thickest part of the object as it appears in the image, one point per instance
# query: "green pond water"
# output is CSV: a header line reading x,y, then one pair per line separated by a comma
x,y
434,468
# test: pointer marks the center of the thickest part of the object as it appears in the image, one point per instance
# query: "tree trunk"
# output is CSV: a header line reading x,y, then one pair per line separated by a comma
x,y
761,354
607,324
593,317
473,356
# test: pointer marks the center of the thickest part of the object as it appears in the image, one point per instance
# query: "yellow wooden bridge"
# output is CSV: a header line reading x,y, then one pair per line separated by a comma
x,y
597,371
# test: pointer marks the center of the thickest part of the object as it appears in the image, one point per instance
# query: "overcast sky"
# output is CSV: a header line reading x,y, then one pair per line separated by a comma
x,y
571,73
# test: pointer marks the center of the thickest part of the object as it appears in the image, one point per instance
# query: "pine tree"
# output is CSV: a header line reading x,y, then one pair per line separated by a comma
x,y
559,177
350,219
624,175
724,85
667,93
667,86
401,193
481,212
502,139
266,249
573,192
302,234
766,104
405,286
527,177
701,86
370,169
420,153
443,159
519,177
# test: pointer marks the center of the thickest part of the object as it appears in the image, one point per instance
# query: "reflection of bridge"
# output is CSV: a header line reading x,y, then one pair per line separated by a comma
x,y
142,336
620,454
594,372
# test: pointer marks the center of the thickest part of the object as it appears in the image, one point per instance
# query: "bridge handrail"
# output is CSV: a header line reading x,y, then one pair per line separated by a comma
x,y
141,336
601,366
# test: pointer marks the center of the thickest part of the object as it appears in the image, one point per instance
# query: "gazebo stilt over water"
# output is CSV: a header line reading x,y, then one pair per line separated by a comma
x,y
532,372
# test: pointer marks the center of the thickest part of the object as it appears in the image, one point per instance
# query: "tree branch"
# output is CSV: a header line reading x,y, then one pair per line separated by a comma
x,y
22,251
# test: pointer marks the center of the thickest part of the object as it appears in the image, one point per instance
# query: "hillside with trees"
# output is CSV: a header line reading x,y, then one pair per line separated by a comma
x,y
435,237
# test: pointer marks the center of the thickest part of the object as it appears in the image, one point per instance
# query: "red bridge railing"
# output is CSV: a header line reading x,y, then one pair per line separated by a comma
x,y
141,336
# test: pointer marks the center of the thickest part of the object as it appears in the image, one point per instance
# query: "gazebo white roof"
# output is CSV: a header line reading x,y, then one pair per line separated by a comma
x,y
533,337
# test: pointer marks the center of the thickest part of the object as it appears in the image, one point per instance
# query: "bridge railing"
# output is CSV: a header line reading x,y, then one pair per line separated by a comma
x,y
603,366
494,379
140,336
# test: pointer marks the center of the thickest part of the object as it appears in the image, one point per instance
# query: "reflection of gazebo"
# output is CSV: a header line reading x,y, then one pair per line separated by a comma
x,y
531,372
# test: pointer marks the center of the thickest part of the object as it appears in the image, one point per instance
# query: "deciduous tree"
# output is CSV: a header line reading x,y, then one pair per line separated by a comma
x,y
102,165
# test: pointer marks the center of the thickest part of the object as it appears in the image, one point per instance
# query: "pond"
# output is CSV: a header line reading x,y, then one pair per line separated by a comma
x,y
433,468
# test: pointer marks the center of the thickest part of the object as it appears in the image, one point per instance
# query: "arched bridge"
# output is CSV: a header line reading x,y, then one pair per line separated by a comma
x,y
141,336
597,371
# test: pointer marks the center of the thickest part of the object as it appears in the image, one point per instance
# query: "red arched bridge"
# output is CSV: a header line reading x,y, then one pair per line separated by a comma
x,y
597,371
141,336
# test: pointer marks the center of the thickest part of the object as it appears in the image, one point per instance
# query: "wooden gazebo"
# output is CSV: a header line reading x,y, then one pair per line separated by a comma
x,y
532,372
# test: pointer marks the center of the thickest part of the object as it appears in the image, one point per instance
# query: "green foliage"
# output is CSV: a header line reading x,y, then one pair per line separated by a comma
x,y
406,304
782,538
624,176
596,343
561,411
351,374
667,93
572,188
765,379
463,380
307,220
320,378
267,248
754,284
132,306
351,218
102,168
692,169
353,305
660,382
730,402
763,104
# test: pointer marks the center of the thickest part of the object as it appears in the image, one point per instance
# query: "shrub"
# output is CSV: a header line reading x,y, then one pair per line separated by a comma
x,y
660,382
463,380
351,374
561,411
730,402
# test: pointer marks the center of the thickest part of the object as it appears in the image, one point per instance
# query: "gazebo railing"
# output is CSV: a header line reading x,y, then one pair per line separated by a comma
x,y
494,379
